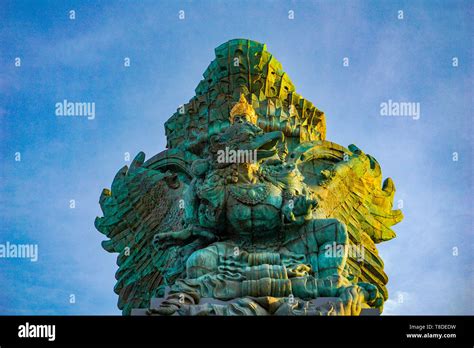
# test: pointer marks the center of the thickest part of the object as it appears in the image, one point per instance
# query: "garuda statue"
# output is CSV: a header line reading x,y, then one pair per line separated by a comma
x,y
249,211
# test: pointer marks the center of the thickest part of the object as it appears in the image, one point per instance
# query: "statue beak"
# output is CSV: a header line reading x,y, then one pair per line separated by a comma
x,y
266,144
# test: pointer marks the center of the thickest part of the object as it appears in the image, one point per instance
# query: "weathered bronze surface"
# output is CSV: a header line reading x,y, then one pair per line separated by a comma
x,y
250,211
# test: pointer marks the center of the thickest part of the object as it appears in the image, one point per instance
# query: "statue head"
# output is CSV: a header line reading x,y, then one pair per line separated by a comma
x,y
243,112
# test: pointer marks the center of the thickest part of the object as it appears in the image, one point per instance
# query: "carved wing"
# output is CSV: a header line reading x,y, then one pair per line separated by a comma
x,y
141,203
348,186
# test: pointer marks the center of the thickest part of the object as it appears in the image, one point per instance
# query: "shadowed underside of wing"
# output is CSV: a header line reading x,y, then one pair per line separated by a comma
x,y
141,203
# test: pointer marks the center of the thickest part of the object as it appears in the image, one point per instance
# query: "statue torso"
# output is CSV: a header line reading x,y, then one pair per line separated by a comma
x,y
253,210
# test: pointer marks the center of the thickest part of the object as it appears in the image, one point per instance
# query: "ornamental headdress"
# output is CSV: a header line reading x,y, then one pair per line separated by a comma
x,y
243,108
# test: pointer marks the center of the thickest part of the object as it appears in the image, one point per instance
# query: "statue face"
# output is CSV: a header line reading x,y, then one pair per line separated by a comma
x,y
241,118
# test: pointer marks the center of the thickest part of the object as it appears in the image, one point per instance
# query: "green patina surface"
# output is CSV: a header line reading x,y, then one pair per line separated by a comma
x,y
249,205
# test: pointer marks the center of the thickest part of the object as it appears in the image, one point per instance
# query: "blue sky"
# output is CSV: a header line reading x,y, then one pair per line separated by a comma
x,y
74,158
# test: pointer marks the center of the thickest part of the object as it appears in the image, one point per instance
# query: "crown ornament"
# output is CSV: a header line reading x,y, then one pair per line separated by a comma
x,y
243,108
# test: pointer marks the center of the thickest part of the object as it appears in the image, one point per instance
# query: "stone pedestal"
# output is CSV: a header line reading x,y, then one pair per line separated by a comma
x,y
321,301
